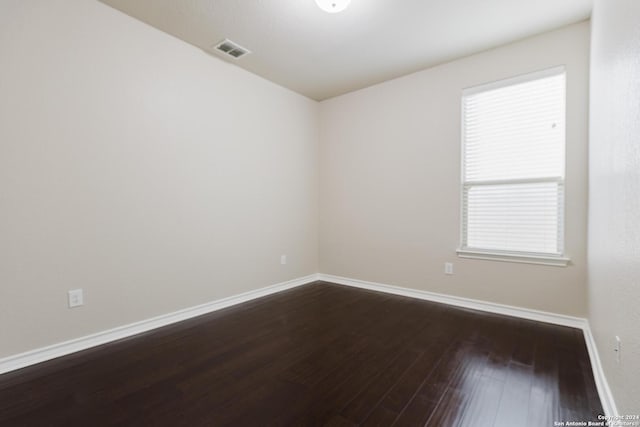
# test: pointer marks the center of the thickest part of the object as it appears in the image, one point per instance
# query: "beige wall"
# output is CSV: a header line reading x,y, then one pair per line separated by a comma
x,y
156,177
614,195
390,180
142,170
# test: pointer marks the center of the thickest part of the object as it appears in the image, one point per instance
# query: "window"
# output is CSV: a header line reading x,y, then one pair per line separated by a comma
x,y
513,145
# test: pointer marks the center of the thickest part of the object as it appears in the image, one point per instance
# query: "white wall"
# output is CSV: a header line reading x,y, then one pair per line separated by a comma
x,y
142,170
614,195
390,180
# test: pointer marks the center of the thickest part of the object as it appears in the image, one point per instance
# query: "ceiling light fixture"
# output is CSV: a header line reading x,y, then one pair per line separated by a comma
x,y
333,6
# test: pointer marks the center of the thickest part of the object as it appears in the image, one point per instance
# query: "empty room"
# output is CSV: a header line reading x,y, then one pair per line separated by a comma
x,y
319,213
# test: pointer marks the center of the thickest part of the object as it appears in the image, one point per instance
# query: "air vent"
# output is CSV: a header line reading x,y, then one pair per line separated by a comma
x,y
234,50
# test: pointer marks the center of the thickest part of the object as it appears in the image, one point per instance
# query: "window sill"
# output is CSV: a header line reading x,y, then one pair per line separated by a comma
x,y
556,261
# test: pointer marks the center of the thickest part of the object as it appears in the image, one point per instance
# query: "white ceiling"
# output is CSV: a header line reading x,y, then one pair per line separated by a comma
x,y
321,55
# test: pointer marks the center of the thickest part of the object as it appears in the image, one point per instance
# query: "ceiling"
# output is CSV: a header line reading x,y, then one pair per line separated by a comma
x,y
321,55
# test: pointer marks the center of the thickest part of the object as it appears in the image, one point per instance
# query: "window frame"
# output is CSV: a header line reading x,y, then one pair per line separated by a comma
x,y
560,260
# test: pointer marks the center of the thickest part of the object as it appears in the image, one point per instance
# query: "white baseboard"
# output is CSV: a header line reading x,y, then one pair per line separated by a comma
x,y
508,310
602,385
43,354
606,398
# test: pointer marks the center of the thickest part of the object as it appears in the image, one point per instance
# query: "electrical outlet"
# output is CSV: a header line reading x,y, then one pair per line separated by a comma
x,y
283,259
448,268
76,298
617,349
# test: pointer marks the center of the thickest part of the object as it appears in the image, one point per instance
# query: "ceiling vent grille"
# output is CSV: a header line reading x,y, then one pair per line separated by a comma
x,y
229,48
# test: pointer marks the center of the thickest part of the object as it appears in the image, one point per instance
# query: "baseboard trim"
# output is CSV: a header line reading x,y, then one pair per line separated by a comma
x,y
606,397
602,385
43,354
508,310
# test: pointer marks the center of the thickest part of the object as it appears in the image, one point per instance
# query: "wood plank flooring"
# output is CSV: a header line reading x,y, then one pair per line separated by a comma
x,y
317,355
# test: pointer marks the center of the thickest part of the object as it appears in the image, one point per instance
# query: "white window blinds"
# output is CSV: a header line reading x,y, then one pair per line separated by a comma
x,y
513,165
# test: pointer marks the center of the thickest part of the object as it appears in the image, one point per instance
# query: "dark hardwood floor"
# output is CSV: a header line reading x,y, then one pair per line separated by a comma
x,y
321,354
